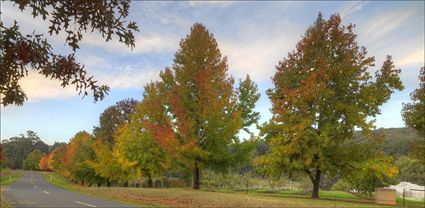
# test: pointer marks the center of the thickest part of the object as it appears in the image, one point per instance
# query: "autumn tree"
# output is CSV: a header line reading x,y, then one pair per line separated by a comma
x,y
201,104
43,164
79,169
112,118
71,159
51,161
32,160
31,52
137,150
322,92
105,164
414,116
56,161
66,154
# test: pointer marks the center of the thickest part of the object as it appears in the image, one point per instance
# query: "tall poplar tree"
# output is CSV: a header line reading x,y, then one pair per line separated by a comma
x,y
322,92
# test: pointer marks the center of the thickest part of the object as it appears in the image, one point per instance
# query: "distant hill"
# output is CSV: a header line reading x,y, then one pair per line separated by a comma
x,y
397,141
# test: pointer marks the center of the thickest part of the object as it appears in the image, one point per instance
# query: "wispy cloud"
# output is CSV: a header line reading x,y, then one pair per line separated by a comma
x,y
351,7
39,88
396,31
414,58
211,3
380,25
129,76
158,43
256,52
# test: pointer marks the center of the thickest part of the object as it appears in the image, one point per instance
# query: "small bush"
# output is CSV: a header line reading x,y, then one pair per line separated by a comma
x,y
342,185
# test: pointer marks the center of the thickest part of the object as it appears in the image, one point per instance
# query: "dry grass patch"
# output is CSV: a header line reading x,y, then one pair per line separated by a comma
x,y
180,197
185,197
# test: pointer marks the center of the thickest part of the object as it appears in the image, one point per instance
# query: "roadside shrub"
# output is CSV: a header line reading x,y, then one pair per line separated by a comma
x,y
342,185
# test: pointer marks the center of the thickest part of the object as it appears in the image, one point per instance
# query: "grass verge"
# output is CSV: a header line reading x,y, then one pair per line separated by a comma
x,y
7,177
410,203
184,197
60,181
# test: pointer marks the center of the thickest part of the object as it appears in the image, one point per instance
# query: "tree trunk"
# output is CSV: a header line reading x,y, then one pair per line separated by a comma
x,y
149,181
195,176
109,184
316,184
126,184
99,184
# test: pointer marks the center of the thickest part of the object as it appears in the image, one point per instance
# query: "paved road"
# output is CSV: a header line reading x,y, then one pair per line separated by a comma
x,y
31,190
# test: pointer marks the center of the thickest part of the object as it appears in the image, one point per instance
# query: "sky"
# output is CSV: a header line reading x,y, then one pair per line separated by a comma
x,y
254,36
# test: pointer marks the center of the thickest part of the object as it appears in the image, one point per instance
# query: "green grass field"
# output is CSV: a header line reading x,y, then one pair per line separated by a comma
x,y
7,177
410,203
185,197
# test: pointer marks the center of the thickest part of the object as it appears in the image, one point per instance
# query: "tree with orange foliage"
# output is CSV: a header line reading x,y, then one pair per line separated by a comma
x,y
46,163
43,164
50,159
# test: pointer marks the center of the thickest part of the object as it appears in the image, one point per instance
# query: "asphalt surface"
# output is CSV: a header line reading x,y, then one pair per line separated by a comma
x,y
31,190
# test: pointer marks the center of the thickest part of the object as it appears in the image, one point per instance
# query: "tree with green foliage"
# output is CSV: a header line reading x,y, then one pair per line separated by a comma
x,y
323,90
56,161
137,150
32,160
414,116
21,53
79,168
200,114
248,97
16,149
3,157
342,185
243,153
56,145
366,170
105,164
410,170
